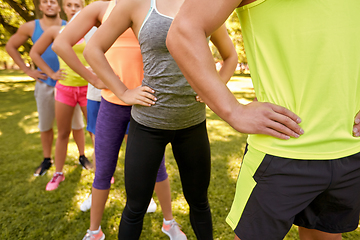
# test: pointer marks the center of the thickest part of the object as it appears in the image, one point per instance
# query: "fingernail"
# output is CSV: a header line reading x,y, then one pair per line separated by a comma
x,y
356,134
301,131
298,120
355,130
357,120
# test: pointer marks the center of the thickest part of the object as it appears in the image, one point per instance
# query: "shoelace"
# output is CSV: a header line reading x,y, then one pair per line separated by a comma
x,y
174,223
55,177
89,235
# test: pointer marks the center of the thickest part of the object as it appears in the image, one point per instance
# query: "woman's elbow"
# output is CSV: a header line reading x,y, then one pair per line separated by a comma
x,y
175,36
86,53
32,54
55,46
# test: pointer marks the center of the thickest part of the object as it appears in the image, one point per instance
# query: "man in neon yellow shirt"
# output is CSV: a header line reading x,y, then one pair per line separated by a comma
x,y
304,172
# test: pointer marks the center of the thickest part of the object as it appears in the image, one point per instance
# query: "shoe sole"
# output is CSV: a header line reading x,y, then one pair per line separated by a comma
x,y
84,167
163,230
36,174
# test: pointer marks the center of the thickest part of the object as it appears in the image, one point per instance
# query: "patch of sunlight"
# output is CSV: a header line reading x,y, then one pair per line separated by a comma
x,y
240,84
72,150
180,205
80,196
82,191
118,194
244,101
4,88
16,78
233,167
0,133
29,123
33,178
220,130
28,88
7,114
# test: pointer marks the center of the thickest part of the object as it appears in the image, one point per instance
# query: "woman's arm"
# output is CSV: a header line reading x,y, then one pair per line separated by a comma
x,y
75,30
220,38
118,22
39,48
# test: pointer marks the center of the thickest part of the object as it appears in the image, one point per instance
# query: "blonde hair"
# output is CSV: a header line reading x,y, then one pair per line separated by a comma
x,y
82,2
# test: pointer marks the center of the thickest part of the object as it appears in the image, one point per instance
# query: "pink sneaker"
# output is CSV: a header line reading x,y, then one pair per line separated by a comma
x,y
112,181
55,181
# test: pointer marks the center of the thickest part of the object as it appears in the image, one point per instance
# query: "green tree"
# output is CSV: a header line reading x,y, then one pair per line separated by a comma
x,y
13,13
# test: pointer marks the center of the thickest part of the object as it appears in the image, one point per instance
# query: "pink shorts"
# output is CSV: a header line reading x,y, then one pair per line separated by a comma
x,y
71,95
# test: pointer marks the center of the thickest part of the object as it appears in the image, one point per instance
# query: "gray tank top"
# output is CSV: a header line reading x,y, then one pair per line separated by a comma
x,y
176,107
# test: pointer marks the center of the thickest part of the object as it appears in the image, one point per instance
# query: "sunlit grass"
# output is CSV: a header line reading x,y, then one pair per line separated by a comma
x,y
27,211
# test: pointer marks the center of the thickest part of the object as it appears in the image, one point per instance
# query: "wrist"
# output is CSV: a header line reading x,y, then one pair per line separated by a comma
x,y
27,70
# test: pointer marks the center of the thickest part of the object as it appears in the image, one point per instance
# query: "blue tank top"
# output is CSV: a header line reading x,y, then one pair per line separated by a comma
x,y
49,55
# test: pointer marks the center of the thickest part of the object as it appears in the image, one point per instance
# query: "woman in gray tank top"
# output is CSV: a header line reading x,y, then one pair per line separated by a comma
x,y
165,110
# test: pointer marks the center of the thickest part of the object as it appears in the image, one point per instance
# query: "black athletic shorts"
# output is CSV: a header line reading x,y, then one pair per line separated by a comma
x,y
273,193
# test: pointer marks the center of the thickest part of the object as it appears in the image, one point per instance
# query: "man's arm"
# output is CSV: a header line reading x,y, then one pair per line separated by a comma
x,y
187,43
39,48
15,41
356,129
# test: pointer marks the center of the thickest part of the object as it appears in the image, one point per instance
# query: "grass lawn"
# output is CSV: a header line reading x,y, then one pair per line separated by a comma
x,y
27,211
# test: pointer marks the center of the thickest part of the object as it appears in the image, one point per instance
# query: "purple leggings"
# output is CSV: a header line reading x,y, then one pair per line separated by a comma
x,y
110,131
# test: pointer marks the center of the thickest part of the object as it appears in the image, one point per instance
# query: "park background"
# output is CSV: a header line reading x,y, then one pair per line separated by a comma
x,y
27,211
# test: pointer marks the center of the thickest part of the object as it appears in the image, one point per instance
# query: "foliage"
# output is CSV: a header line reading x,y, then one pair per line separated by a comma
x,y
234,30
13,13
16,12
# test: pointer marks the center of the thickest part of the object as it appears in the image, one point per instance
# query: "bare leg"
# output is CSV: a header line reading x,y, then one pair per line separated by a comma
x,y
236,238
79,138
79,135
63,115
47,138
84,111
313,234
93,154
78,124
162,190
99,198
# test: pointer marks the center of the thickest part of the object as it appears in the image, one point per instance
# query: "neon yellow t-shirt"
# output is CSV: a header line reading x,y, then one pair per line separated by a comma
x,y
304,55
72,78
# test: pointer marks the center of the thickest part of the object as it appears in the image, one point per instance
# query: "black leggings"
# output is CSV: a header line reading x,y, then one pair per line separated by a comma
x,y
144,151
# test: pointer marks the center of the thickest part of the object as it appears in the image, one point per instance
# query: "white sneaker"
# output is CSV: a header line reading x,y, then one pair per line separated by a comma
x,y
86,205
152,206
92,236
173,231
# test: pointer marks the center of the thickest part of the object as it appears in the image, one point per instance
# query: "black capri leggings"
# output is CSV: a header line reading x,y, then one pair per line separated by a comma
x,y
144,151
